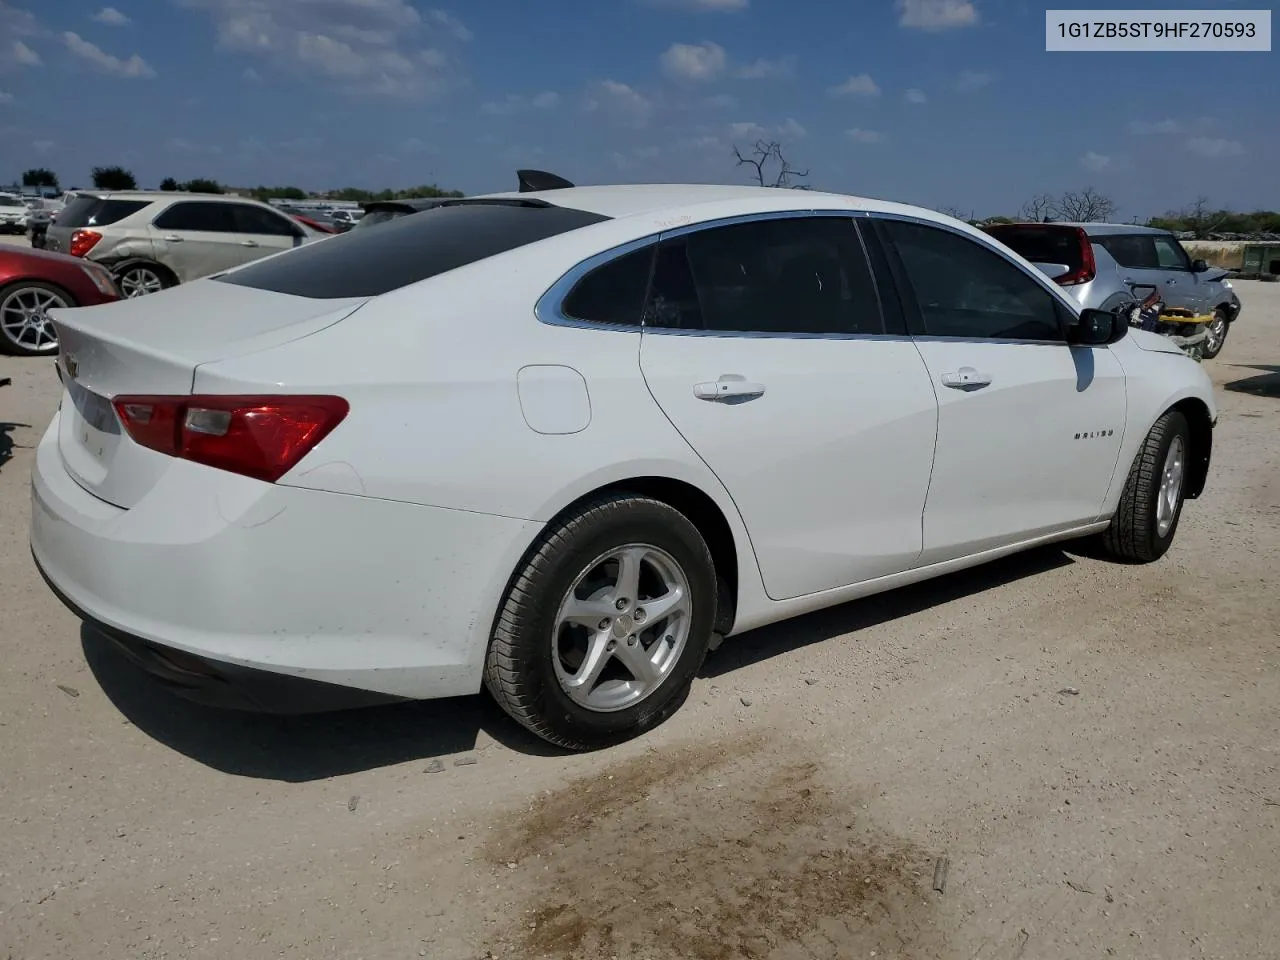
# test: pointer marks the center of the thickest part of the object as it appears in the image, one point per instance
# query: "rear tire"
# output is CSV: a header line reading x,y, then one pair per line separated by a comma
x,y
140,278
25,330
1151,503
1219,326
558,661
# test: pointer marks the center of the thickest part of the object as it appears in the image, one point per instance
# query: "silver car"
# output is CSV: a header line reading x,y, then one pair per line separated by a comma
x,y
13,214
151,239
1105,265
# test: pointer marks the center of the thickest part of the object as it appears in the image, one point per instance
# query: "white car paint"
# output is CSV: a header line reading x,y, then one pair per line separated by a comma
x,y
379,561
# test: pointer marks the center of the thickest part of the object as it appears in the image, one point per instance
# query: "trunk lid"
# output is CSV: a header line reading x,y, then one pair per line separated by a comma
x,y
153,345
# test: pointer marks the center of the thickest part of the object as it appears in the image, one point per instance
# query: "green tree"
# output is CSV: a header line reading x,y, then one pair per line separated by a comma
x,y
282,193
169,184
40,177
114,178
202,185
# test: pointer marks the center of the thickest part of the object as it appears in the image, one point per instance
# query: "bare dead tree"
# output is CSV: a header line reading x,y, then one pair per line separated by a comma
x,y
1086,206
770,166
1040,207
958,214
1200,220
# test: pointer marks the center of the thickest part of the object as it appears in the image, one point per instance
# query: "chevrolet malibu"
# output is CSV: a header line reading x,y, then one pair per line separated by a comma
x,y
559,444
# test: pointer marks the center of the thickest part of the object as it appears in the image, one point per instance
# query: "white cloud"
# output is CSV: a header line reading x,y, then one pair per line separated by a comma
x,y
383,47
1148,127
24,55
135,67
414,145
1215,147
971,81
1095,161
111,17
43,146
860,86
859,135
767,69
793,129
515,103
790,129
251,75
620,102
915,96
6,97
694,61
936,14
747,129
721,101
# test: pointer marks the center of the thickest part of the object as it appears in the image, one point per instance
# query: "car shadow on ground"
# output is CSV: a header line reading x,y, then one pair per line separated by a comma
x,y
781,638
311,747
6,440
1266,384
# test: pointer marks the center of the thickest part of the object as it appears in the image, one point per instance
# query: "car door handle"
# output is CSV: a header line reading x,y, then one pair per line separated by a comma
x,y
729,386
248,243
966,378
172,238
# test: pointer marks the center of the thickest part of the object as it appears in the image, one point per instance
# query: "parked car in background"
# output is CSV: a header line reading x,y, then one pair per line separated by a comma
x,y
1100,264
42,210
33,282
717,407
344,220
314,224
13,214
151,240
382,211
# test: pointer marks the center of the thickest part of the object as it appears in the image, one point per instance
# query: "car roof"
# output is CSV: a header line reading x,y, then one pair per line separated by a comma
x,y
1092,229
646,200
162,195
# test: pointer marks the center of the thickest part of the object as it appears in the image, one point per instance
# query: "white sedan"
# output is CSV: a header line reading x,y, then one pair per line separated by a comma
x,y
560,443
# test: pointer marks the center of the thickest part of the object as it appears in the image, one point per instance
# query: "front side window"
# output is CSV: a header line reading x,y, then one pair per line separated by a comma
x,y
1170,254
250,219
964,290
794,275
195,215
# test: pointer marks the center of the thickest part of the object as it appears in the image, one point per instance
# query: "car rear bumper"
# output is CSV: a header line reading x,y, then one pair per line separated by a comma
x,y
213,577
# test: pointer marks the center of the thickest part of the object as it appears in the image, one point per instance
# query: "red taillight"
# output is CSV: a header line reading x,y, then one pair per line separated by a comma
x,y
259,437
1088,268
82,241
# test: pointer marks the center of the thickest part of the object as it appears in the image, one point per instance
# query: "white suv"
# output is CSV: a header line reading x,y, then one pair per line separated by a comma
x,y
151,240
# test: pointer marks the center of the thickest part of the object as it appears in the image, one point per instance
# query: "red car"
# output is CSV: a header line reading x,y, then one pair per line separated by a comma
x,y
33,282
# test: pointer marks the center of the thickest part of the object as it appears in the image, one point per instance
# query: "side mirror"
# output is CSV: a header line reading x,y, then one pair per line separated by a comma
x,y
1098,328
1199,266
1053,270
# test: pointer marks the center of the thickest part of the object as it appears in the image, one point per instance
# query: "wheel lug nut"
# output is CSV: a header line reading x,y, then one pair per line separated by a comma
x,y
604,624
631,640
639,615
612,644
622,603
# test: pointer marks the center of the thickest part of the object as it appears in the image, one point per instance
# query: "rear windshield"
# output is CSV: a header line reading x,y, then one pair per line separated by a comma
x,y
1042,244
97,212
11,202
374,217
368,263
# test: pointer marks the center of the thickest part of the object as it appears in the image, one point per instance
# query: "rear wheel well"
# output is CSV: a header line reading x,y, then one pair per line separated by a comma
x,y
1197,415
118,267
704,514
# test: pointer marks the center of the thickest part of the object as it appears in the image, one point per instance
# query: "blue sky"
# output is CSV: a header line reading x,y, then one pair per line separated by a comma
x,y
940,102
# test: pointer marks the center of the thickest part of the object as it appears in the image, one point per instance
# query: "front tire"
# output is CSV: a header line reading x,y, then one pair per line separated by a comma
x,y
1218,329
1151,503
605,624
25,329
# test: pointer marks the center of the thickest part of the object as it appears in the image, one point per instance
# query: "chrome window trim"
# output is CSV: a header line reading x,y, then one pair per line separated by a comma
x,y
550,306
1035,276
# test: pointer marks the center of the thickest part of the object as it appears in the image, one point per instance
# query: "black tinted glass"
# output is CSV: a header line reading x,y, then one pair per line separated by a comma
x,y
375,217
1043,244
1134,251
263,222
193,215
964,290
806,275
96,212
614,292
367,263
673,298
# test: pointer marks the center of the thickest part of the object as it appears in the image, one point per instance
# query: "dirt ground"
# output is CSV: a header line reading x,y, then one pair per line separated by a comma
x,y
1093,749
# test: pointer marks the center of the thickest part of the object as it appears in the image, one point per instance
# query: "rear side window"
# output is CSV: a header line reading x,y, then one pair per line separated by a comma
x,y
368,263
1043,244
613,293
195,215
1132,250
96,212
250,219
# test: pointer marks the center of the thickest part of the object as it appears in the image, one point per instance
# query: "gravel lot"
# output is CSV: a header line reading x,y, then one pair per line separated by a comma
x,y
1092,747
